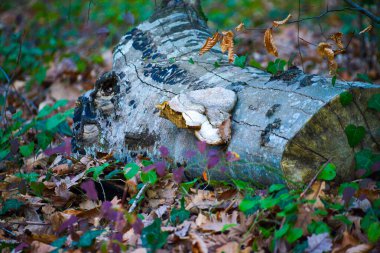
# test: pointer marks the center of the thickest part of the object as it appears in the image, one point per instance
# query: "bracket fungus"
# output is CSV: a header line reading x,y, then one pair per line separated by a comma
x,y
206,111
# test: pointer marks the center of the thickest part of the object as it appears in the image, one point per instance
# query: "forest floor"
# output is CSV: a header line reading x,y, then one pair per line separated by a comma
x,y
52,200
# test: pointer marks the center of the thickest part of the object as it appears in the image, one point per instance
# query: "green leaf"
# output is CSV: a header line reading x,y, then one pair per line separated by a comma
x,y
249,203
149,177
11,205
276,187
282,231
130,170
374,232
191,61
354,134
365,78
345,185
43,140
45,111
112,174
240,61
366,222
54,121
241,185
318,227
268,203
177,216
4,153
29,177
2,100
152,237
97,170
216,64
27,150
293,235
172,60
59,242
333,80
37,188
255,64
374,102
363,159
88,237
185,187
343,219
328,173
345,98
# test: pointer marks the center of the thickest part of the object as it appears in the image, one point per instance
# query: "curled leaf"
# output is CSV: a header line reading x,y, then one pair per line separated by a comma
x,y
324,50
240,27
281,22
210,43
367,29
337,38
228,44
269,42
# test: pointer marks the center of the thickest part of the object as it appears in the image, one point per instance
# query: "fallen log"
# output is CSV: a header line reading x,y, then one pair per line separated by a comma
x,y
290,123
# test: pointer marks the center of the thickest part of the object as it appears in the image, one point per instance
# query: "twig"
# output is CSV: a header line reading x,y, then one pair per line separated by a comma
x,y
8,231
366,12
298,34
314,178
29,223
138,196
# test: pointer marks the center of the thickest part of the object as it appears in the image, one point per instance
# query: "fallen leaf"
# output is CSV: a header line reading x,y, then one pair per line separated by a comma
x,y
319,243
210,43
230,247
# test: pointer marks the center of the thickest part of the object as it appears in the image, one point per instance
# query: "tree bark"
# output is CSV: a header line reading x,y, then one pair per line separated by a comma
x,y
281,126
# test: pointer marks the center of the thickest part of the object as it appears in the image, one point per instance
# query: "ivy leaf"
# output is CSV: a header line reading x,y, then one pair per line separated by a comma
x,y
177,216
249,205
318,227
355,134
130,170
276,187
4,153
11,205
293,234
112,174
152,237
191,61
374,232
97,170
345,98
240,61
374,102
328,173
333,80
87,238
43,140
27,150
365,78
282,231
216,64
149,177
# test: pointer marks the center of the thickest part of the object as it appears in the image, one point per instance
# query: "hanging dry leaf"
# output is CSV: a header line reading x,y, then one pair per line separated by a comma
x,y
324,50
269,42
227,41
210,43
281,22
337,38
367,29
240,27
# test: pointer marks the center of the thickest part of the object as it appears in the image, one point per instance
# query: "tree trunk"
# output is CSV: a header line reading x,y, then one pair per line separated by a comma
x,y
286,125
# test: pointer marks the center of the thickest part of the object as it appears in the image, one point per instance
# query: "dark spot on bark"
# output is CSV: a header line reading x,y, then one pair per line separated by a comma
x,y
264,138
306,81
155,111
131,102
169,75
288,75
144,43
237,86
140,140
107,84
121,75
272,110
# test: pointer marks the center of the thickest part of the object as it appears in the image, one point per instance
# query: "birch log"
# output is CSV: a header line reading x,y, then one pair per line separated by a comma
x,y
291,123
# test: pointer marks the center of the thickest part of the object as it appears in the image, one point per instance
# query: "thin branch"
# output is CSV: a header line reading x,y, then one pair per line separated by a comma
x,y
298,34
314,178
366,12
141,192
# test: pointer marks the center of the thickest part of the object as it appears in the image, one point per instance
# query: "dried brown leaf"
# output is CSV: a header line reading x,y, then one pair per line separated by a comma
x,y
367,29
281,22
269,42
227,41
324,50
230,247
337,38
240,27
210,43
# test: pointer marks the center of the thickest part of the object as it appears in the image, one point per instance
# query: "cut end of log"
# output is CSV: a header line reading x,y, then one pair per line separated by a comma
x,y
323,138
